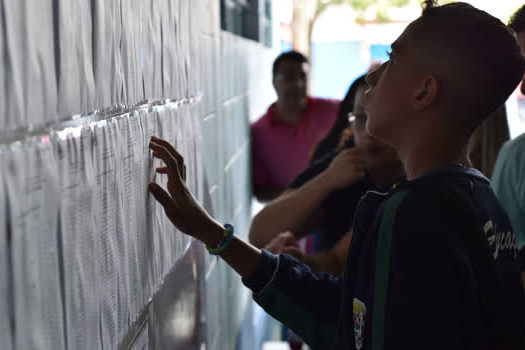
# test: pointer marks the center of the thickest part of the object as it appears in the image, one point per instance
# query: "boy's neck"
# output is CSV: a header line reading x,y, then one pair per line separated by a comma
x,y
431,149
386,175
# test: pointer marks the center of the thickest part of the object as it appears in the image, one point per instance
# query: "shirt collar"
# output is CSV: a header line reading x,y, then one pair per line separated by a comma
x,y
272,113
454,170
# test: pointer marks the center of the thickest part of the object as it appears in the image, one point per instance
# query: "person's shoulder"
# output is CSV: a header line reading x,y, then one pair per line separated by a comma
x,y
515,145
263,122
511,158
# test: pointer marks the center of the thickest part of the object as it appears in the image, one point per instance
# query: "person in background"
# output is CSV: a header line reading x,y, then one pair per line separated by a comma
x,y
487,140
508,178
283,138
341,134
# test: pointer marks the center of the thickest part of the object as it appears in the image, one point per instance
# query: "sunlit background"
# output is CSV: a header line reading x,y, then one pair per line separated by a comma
x,y
343,37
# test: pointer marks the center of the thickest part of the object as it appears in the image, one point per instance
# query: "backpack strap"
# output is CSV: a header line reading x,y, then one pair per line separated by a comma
x,y
382,267
458,204
472,236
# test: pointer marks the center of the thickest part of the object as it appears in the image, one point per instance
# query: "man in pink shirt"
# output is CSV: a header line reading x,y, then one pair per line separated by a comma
x,y
283,138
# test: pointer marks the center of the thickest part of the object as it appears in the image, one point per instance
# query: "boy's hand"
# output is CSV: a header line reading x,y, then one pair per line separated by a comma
x,y
346,168
179,204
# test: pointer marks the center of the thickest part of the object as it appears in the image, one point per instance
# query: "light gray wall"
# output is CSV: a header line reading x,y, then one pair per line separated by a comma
x,y
85,83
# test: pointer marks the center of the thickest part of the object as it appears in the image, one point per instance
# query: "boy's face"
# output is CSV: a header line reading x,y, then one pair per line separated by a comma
x,y
378,154
388,99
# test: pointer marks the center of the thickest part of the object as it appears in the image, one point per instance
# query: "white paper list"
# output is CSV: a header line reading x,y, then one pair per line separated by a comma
x,y
5,269
104,159
79,241
33,206
134,198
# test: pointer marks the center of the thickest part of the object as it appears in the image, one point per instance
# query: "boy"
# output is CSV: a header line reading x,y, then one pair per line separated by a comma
x,y
448,70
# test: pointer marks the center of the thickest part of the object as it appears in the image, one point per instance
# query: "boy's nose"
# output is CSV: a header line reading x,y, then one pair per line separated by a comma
x,y
373,77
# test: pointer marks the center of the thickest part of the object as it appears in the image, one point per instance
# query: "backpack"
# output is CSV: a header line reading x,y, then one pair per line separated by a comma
x,y
458,204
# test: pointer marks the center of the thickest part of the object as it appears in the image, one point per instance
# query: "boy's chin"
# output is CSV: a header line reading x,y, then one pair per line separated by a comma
x,y
378,132
372,129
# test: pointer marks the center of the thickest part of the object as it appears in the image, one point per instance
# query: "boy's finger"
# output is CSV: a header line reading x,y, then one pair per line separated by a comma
x,y
161,195
162,153
171,150
166,147
162,170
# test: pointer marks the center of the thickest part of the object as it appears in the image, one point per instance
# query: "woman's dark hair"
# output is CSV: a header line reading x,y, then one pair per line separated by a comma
x,y
331,140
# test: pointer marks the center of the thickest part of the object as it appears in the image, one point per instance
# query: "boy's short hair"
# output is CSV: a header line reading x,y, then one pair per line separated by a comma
x,y
517,21
293,56
475,56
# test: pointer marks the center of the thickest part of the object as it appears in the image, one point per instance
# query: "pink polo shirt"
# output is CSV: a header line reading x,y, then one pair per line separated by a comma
x,y
280,151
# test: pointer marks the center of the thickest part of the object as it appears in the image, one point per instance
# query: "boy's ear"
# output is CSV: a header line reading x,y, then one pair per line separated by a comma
x,y
426,93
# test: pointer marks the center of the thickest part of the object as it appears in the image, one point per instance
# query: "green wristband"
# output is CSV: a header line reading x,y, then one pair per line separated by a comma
x,y
224,242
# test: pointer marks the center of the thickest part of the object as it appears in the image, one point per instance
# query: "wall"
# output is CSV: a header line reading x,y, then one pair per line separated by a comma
x,y
87,258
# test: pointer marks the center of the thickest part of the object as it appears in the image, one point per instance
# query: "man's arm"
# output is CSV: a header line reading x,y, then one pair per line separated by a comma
x,y
265,194
330,261
300,210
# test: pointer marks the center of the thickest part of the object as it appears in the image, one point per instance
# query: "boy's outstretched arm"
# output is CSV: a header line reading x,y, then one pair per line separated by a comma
x,y
284,287
188,215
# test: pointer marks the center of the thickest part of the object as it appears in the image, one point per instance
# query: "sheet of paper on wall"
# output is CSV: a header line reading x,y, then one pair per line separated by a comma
x,y
151,50
156,215
148,126
79,241
165,228
132,218
15,115
107,230
41,86
3,110
76,87
131,51
114,137
5,284
33,206
107,66
169,51
134,198
186,64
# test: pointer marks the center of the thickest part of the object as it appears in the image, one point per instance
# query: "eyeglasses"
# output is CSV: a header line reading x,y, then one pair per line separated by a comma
x,y
358,121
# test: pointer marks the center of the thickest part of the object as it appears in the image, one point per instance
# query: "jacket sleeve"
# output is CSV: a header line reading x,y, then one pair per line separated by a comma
x,y
307,303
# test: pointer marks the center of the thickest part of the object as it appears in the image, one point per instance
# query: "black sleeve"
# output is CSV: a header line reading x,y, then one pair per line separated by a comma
x,y
313,170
